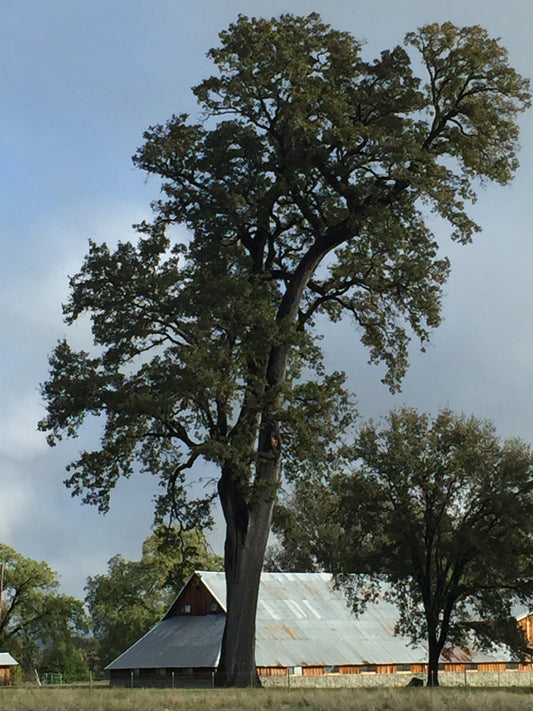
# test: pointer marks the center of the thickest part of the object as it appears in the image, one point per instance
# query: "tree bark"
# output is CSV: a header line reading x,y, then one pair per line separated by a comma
x,y
248,505
434,650
247,531
433,667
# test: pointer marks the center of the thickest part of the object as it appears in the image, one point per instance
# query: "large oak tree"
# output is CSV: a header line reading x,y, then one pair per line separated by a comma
x,y
305,185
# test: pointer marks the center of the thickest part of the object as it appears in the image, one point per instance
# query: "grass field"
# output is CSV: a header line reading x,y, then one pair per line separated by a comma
x,y
105,699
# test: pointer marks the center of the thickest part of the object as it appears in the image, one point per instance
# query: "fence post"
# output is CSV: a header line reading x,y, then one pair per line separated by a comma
x,y
131,679
212,679
288,678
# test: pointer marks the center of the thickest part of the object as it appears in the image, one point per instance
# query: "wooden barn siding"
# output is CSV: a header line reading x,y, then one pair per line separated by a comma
x,y
342,669
386,668
198,597
5,676
492,667
458,667
162,678
527,625
272,671
419,668
312,671
349,669
455,667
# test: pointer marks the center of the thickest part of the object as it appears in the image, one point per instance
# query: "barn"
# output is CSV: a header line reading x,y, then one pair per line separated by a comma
x,y
6,662
304,629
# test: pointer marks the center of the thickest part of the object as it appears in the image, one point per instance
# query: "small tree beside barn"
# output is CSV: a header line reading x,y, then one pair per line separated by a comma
x,y
441,511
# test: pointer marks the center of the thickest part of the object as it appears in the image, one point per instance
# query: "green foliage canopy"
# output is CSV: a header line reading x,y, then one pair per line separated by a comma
x,y
34,613
306,151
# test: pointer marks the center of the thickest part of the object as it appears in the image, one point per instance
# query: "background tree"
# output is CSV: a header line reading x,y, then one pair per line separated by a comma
x,y
88,648
442,512
132,596
34,613
304,188
65,659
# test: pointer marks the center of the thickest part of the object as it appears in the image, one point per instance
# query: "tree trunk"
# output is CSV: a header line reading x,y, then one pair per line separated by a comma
x,y
438,626
248,506
247,531
433,662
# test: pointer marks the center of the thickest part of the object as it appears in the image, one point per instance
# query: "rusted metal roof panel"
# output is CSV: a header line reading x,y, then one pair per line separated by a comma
x,y
303,620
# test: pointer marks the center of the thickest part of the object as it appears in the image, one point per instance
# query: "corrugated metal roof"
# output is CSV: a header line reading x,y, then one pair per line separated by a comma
x,y
520,611
7,660
302,620
176,642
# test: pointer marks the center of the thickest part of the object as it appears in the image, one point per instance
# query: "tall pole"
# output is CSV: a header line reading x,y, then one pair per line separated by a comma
x,y
2,571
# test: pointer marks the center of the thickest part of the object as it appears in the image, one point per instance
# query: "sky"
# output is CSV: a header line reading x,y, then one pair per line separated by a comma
x,y
79,83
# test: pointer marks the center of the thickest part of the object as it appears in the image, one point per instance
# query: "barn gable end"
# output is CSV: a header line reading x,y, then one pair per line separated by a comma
x,y
195,599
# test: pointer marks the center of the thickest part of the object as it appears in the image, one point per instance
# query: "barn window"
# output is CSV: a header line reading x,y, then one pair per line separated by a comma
x,y
404,667
186,609
368,667
212,607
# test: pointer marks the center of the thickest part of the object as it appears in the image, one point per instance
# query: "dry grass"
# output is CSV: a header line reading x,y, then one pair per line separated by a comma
x,y
64,699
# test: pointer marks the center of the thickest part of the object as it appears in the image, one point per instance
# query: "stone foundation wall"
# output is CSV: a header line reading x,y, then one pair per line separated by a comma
x,y
470,678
